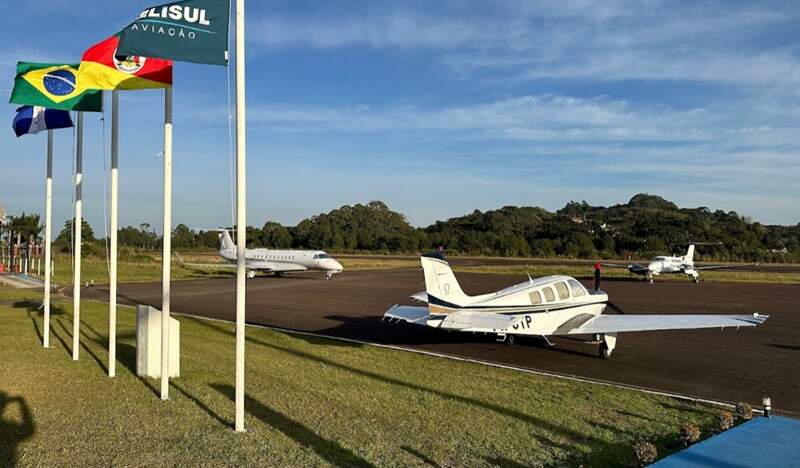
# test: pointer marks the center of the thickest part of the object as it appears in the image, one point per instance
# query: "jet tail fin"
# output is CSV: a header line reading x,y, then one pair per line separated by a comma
x,y
225,241
441,285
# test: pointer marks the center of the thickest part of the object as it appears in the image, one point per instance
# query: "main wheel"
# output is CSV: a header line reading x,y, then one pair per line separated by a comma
x,y
603,351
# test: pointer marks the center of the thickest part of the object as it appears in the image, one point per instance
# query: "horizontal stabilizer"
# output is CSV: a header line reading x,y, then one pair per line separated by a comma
x,y
421,296
410,314
631,323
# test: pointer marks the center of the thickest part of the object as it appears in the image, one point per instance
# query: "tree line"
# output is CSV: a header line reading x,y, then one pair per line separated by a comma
x,y
645,226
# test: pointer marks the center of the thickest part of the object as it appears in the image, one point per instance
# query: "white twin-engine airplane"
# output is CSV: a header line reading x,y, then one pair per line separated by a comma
x,y
547,306
668,265
279,262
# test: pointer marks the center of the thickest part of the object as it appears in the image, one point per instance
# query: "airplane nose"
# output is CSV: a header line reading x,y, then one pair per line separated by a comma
x,y
337,265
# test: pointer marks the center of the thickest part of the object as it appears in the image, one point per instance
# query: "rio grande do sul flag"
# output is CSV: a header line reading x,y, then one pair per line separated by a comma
x,y
54,86
184,31
101,68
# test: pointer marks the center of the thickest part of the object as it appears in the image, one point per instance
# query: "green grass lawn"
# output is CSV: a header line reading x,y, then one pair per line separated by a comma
x,y
309,402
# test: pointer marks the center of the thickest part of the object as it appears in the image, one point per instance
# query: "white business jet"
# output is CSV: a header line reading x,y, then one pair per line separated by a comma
x,y
670,265
277,262
547,306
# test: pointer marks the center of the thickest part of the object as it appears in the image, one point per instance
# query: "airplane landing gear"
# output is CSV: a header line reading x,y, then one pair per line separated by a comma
x,y
251,274
607,345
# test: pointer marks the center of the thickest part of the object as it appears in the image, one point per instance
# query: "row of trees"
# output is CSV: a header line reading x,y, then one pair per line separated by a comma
x,y
645,226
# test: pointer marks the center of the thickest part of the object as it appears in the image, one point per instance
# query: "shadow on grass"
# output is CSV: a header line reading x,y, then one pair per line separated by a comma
x,y
604,453
421,456
13,432
84,346
329,450
126,354
504,462
37,309
200,404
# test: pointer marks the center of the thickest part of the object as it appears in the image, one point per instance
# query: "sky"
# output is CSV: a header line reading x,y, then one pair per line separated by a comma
x,y
439,108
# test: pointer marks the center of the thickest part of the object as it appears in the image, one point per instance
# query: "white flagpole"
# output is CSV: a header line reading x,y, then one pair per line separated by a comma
x,y
76,287
48,229
241,213
112,273
166,244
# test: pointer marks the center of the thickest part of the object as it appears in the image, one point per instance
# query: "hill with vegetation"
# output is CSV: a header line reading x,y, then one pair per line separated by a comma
x,y
646,225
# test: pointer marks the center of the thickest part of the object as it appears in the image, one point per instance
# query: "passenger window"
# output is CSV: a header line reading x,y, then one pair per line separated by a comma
x,y
577,288
548,294
563,290
536,298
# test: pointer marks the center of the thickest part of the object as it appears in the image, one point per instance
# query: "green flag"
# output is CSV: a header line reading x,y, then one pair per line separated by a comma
x,y
53,86
186,31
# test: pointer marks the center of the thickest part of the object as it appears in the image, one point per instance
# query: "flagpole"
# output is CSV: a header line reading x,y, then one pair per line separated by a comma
x,y
48,210
76,280
241,213
166,243
112,269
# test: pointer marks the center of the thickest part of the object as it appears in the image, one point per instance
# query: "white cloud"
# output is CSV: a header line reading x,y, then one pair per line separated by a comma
x,y
717,42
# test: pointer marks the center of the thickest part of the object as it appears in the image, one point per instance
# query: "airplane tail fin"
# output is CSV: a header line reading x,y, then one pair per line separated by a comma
x,y
689,257
441,285
225,241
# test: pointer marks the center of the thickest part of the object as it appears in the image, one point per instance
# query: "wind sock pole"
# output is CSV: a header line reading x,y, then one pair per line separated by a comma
x,y
241,214
76,280
112,269
48,230
166,243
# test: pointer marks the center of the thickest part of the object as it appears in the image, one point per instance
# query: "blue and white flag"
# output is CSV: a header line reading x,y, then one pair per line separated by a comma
x,y
34,119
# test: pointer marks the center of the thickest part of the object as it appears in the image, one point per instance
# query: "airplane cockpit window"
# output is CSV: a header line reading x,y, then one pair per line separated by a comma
x,y
549,295
563,291
322,255
577,289
536,298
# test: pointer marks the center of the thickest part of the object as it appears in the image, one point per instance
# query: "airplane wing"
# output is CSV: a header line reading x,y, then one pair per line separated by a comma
x,y
592,324
273,266
461,321
613,265
723,267
632,267
478,322
251,265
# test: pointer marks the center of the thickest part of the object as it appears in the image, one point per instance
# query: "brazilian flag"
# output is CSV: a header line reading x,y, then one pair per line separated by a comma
x,y
53,86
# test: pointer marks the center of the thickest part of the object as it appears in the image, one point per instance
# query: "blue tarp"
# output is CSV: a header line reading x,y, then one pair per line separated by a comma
x,y
760,442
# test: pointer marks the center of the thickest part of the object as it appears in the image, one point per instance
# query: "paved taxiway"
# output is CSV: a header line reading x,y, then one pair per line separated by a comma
x,y
728,365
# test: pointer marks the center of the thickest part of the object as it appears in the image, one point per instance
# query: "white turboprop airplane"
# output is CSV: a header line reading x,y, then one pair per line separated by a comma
x,y
671,264
277,262
547,306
